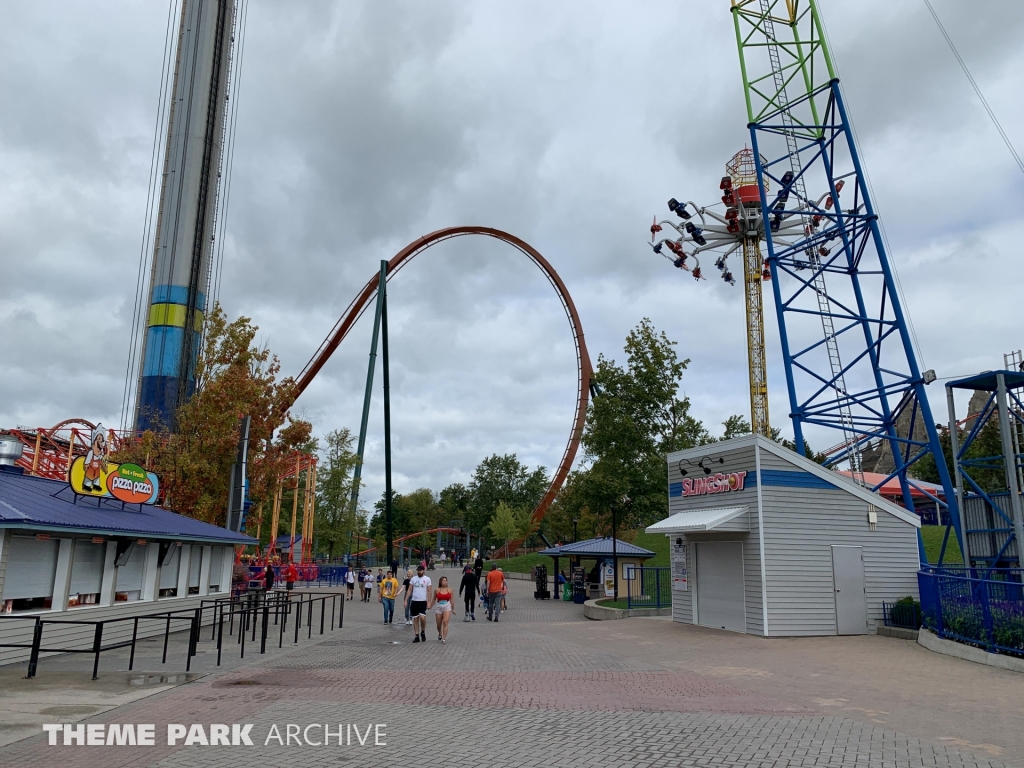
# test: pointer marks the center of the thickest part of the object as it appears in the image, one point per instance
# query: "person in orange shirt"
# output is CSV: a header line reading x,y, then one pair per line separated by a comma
x,y
495,588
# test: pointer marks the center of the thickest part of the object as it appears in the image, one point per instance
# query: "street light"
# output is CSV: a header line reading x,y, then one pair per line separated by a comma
x,y
575,520
624,500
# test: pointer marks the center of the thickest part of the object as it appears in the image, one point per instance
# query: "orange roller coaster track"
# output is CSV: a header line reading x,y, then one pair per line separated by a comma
x,y
584,370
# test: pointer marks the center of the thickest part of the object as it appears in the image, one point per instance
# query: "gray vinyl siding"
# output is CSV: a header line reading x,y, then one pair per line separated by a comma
x,y
5,548
743,528
800,527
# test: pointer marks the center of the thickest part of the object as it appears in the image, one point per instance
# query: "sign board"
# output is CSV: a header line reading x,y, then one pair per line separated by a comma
x,y
716,483
103,479
679,574
608,577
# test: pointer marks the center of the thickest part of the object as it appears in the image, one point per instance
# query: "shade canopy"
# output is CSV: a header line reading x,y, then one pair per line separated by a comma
x,y
600,547
698,520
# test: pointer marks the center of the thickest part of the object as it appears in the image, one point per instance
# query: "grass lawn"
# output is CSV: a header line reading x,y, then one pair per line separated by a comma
x,y
655,542
609,603
932,537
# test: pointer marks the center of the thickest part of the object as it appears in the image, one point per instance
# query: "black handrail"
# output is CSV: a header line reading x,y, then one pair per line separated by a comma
x,y
252,608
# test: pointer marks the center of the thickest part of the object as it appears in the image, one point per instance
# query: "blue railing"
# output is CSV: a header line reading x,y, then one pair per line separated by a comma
x,y
979,606
648,587
309,575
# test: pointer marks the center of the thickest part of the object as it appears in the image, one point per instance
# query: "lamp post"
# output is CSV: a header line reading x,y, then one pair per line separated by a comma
x,y
575,520
615,541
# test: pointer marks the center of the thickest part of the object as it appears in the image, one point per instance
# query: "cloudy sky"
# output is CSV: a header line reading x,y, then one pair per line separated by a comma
x,y
363,125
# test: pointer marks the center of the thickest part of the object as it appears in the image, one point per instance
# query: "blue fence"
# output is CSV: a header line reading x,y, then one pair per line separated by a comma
x,y
648,588
309,575
979,606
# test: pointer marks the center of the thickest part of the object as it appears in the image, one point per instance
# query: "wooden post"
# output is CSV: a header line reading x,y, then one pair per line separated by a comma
x,y
35,456
312,512
71,450
305,513
259,524
275,521
295,508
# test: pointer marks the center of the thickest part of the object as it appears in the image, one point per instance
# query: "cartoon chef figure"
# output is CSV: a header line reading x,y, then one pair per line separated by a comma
x,y
95,461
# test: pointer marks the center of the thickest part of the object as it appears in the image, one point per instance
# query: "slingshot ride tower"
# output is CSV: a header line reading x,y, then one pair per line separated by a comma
x,y
847,348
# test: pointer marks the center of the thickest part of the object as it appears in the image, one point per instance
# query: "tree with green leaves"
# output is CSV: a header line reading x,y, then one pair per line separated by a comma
x,y
505,523
638,419
503,479
335,516
455,500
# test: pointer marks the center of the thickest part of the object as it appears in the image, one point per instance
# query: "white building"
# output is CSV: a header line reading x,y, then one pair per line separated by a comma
x,y
766,542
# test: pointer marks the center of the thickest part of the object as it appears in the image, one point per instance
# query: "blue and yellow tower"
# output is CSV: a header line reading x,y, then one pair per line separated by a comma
x,y
180,276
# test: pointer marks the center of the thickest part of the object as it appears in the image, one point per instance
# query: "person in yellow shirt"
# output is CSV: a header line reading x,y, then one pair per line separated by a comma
x,y
388,592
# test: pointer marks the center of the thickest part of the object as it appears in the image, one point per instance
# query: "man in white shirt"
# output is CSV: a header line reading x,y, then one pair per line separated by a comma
x,y
419,596
350,582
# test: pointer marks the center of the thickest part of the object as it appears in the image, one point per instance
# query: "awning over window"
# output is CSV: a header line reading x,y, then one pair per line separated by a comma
x,y
700,520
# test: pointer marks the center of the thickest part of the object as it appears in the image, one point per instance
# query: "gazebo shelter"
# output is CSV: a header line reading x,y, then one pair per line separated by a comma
x,y
627,556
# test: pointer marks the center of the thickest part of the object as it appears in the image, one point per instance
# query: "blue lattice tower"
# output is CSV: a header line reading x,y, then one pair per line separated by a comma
x,y
847,352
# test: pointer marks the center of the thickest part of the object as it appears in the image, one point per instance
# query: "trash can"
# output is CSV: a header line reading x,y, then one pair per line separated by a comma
x,y
567,591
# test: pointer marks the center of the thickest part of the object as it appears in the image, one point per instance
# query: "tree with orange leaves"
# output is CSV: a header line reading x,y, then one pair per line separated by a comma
x,y
235,377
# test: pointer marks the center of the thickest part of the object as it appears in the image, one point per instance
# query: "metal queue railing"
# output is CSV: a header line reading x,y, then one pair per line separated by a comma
x,y
251,613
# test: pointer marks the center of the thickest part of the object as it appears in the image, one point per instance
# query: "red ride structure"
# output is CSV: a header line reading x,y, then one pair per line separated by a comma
x,y
368,294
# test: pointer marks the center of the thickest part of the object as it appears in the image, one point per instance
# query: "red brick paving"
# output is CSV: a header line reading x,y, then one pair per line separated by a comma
x,y
591,691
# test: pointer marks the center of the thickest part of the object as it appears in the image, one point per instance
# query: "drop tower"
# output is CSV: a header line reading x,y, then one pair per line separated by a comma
x,y
179,284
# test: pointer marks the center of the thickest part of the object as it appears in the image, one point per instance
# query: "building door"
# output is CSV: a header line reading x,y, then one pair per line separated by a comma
x,y
848,580
720,585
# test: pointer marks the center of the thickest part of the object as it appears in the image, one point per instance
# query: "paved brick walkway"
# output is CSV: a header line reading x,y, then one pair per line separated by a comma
x,y
544,688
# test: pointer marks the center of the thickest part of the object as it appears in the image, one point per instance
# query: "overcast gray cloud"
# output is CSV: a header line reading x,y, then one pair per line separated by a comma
x,y
363,125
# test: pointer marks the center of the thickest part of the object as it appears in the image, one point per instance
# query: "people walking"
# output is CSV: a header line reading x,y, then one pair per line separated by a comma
x,y
405,595
443,608
388,592
419,597
380,578
350,582
394,567
268,577
495,589
367,584
478,569
468,591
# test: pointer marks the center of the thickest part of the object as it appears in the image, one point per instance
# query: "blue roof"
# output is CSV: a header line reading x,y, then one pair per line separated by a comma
x,y
987,381
597,548
29,502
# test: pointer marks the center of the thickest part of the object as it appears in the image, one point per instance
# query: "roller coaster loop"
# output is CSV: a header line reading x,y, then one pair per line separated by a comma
x,y
368,294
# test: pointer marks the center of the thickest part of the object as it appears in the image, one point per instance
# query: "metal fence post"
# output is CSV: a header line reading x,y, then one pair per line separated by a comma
x,y
193,636
37,639
220,633
97,646
263,630
135,634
